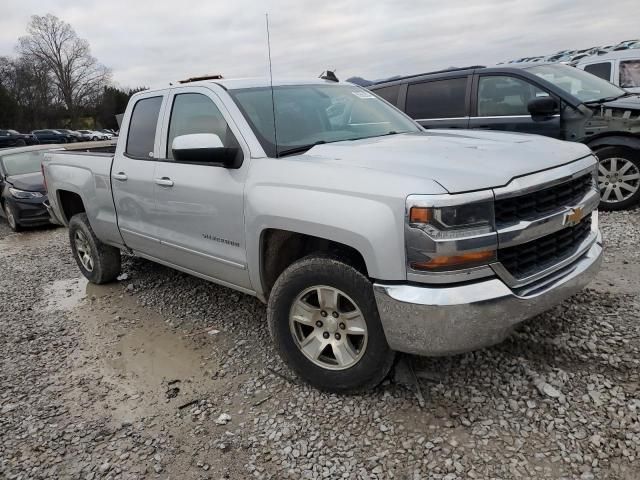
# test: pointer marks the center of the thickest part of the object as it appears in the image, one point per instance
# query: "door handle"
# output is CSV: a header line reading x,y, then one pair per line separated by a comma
x,y
164,181
120,176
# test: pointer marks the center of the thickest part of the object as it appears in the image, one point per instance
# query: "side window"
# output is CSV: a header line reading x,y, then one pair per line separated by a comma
x,y
630,73
602,70
437,99
390,94
142,127
196,113
500,96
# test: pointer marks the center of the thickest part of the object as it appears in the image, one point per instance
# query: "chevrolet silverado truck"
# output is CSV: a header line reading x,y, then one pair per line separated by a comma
x,y
364,234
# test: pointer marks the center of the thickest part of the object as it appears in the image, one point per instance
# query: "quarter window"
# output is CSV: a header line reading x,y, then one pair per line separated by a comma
x,y
437,99
196,113
500,96
142,127
602,70
630,73
390,94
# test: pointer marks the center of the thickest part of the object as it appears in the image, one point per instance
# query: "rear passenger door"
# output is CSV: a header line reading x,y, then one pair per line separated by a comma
x,y
439,103
500,102
132,175
201,206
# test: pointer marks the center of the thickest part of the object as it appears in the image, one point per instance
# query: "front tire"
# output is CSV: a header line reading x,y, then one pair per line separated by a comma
x,y
324,321
12,218
98,262
618,177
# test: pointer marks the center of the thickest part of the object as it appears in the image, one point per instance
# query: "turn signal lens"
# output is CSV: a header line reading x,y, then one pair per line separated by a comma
x,y
444,262
420,215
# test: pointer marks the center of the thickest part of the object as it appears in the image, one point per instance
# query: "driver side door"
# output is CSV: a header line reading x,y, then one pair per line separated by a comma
x,y
499,102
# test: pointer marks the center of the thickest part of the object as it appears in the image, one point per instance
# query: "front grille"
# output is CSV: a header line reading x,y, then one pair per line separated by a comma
x,y
532,257
538,203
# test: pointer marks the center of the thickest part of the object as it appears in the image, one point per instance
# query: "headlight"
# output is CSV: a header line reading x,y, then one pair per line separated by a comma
x,y
24,195
453,221
454,232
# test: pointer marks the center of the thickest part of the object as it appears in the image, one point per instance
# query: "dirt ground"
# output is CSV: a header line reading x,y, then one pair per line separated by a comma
x,y
162,375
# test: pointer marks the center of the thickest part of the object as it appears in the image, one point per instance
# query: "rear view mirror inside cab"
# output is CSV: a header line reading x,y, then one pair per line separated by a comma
x,y
205,148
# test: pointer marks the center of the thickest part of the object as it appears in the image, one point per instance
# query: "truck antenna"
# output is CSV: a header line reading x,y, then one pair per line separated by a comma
x,y
273,102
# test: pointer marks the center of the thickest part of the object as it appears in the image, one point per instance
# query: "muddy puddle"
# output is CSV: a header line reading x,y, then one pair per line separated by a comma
x,y
65,294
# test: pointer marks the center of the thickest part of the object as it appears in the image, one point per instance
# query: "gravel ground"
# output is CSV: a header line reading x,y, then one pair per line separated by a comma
x,y
162,375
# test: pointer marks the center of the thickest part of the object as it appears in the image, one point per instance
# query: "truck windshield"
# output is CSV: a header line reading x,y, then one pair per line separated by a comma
x,y
21,163
582,85
307,115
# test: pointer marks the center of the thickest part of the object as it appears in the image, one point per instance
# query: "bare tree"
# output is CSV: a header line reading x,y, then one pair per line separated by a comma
x,y
53,44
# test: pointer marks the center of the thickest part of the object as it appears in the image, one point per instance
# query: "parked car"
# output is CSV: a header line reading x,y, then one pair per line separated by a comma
x,y
109,133
22,190
621,67
365,234
106,134
13,138
92,135
547,99
72,135
52,136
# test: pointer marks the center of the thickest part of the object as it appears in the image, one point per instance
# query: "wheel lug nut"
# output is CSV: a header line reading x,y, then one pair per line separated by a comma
x,y
342,326
337,336
335,315
323,313
318,323
325,334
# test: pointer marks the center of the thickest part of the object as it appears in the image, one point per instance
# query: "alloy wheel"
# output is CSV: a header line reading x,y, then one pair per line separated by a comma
x,y
618,179
328,327
83,250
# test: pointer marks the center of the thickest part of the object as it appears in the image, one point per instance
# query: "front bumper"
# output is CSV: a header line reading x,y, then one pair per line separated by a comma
x,y
30,213
441,320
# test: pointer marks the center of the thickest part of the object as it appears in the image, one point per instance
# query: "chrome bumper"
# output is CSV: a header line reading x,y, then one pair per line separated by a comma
x,y
440,320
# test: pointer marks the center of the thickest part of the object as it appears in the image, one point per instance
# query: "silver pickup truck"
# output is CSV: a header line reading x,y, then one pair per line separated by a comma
x,y
363,233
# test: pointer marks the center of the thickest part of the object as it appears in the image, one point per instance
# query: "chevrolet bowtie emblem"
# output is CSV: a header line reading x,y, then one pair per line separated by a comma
x,y
573,217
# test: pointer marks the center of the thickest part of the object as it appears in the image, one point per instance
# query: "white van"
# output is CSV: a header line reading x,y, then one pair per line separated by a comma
x,y
621,67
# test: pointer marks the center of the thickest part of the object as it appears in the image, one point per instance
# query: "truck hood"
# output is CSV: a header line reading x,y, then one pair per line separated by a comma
x,y
460,161
30,182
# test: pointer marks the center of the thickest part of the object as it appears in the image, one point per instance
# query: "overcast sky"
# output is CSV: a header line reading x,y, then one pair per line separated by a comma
x,y
150,42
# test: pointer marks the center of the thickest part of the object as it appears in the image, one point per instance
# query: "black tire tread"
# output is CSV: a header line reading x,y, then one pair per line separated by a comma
x,y
342,273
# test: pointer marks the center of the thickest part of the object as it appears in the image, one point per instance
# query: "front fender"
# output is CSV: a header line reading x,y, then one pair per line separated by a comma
x,y
372,227
628,141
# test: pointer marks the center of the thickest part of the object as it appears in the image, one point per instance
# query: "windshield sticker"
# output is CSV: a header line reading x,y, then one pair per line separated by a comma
x,y
363,95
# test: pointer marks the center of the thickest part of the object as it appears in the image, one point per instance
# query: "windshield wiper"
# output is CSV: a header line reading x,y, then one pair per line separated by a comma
x,y
300,149
607,99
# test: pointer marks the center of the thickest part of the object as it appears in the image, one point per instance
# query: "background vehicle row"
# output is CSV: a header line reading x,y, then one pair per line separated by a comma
x,y
547,99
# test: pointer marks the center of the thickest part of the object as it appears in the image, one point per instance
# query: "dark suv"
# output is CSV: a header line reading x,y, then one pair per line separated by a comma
x,y
547,99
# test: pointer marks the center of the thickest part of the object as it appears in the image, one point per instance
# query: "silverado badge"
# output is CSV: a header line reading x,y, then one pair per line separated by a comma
x,y
573,217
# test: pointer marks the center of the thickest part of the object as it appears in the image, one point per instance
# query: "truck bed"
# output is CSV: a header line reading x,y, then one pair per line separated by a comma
x,y
88,175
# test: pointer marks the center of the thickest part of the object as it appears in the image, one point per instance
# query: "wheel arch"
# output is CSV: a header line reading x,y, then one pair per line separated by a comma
x,y
279,248
614,140
71,203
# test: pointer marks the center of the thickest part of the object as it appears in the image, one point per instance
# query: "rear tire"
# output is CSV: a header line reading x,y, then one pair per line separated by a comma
x,y
98,262
618,177
20,143
324,321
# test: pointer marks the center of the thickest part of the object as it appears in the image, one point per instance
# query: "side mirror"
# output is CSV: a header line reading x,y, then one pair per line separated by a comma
x,y
543,107
205,148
